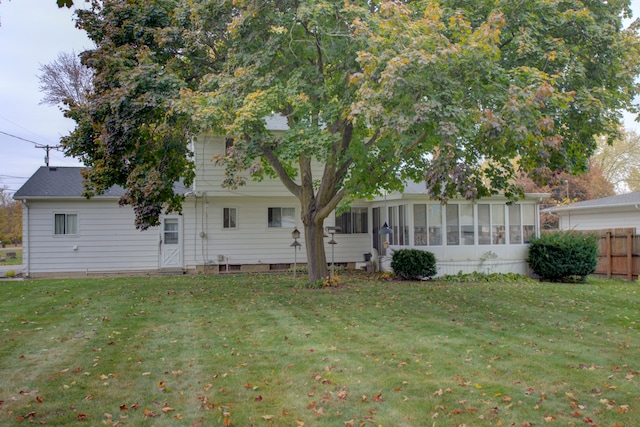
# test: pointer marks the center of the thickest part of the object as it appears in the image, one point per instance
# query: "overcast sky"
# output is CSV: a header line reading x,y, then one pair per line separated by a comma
x,y
33,33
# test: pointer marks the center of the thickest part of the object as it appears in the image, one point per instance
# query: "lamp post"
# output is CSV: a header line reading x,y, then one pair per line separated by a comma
x,y
296,247
385,230
332,231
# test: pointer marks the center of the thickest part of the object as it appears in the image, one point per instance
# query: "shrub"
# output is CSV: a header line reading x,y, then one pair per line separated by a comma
x,y
563,256
412,264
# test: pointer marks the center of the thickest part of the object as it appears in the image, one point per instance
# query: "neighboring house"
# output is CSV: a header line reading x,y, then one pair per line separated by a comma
x,y
621,211
249,229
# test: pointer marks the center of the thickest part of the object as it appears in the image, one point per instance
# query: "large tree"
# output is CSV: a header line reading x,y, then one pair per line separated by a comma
x,y
378,92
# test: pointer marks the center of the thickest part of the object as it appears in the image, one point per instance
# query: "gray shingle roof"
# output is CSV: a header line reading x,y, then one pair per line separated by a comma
x,y
628,199
64,182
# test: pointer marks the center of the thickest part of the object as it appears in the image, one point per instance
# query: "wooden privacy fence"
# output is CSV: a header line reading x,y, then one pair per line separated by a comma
x,y
619,253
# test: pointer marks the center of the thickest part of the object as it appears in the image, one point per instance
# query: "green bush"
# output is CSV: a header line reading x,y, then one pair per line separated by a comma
x,y
563,256
413,264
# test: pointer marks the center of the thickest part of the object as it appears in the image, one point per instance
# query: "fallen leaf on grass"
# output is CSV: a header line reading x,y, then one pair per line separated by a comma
x,y
267,417
623,409
149,413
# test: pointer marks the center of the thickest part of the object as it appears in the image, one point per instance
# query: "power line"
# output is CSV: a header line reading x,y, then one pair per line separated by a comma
x,y
18,137
12,177
47,147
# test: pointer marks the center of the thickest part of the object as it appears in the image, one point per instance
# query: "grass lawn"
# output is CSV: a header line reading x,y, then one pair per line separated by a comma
x,y
253,350
11,261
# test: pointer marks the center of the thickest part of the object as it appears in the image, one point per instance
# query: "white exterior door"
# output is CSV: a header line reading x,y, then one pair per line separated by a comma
x,y
171,243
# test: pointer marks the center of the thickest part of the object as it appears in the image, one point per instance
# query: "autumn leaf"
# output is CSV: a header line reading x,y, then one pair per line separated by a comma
x,y
167,409
623,409
378,397
149,413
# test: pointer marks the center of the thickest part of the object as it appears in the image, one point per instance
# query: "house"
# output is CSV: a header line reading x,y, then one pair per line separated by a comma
x,y
620,211
249,229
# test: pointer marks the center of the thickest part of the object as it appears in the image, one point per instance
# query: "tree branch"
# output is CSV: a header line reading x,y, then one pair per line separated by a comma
x,y
275,163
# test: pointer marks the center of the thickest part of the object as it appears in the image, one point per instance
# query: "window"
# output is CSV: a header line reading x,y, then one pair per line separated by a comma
x,y
466,224
427,225
65,224
484,224
434,218
403,226
392,214
282,217
353,221
528,222
515,225
228,145
453,223
497,224
229,217
171,231
420,225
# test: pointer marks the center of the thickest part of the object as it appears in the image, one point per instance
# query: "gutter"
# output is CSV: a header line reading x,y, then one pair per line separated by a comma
x,y
580,208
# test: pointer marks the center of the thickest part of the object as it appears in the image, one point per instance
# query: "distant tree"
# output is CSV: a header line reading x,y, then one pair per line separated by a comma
x,y
569,188
620,161
377,91
65,81
10,218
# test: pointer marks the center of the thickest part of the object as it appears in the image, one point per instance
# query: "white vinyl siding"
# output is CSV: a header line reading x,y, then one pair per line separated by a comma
x,y
210,176
108,240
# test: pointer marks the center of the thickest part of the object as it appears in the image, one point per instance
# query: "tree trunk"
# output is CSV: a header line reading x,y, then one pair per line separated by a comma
x,y
314,243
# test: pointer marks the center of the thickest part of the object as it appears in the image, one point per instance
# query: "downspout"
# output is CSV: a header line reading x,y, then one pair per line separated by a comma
x,y
26,242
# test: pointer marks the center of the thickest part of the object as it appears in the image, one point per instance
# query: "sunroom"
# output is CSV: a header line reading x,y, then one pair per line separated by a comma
x,y
487,235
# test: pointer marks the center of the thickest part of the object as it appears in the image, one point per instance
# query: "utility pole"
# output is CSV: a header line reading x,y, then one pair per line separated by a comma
x,y
47,148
